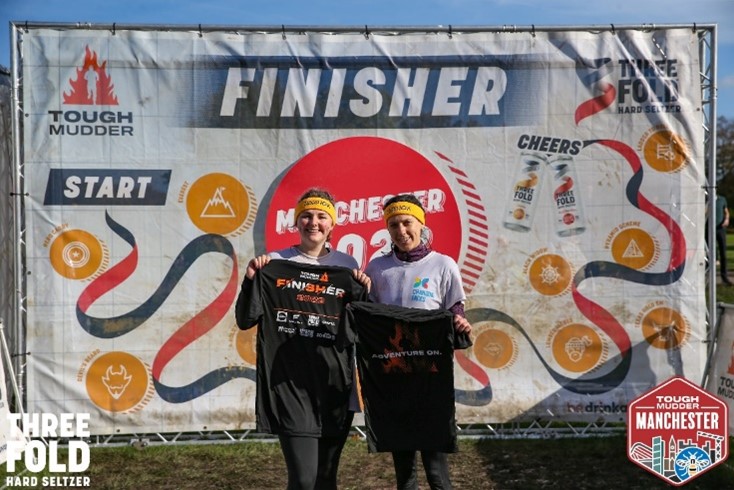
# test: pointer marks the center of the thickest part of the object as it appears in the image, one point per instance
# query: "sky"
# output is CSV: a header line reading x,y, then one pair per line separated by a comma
x,y
390,13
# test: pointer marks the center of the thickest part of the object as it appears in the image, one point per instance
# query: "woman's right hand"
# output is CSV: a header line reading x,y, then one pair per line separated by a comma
x,y
255,264
362,278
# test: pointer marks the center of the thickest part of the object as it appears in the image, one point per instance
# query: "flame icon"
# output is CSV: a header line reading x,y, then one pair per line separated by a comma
x,y
92,84
406,340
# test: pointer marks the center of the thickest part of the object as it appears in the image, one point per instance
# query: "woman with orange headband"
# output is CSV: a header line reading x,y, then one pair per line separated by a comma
x,y
393,276
312,461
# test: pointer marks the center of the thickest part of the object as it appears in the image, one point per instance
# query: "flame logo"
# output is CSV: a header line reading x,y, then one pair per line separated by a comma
x,y
92,84
406,340
730,370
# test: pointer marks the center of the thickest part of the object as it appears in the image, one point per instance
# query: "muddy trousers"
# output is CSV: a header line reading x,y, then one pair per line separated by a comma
x,y
312,462
435,464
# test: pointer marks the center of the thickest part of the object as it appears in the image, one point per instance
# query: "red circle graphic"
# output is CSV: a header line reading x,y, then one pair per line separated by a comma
x,y
361,172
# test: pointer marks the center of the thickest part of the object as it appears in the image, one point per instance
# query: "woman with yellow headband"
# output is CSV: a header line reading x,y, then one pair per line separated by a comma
x,y
312,462
394,276
315,217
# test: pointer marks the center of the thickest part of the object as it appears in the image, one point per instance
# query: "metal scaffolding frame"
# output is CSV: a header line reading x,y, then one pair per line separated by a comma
x,y
538,428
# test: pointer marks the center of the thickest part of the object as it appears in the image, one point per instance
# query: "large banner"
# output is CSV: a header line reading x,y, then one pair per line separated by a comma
x,y
720,380
562,170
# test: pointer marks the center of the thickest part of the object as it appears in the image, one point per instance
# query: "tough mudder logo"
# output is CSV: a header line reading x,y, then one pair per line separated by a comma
x,y
677,431
91,85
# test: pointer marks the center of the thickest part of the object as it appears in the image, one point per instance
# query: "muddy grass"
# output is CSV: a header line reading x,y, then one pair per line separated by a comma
x,y
590,463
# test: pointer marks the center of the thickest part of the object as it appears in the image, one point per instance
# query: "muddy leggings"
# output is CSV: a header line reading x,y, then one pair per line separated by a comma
x,y
313,462
435,464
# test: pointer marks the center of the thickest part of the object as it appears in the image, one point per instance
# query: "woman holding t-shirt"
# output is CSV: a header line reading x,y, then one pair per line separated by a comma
x,y
312,460
392,277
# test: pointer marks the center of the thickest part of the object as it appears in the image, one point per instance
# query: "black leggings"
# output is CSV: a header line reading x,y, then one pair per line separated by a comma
x,y
435,464
313,462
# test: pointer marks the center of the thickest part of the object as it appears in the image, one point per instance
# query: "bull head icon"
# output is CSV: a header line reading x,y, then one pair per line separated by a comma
x,y
116,381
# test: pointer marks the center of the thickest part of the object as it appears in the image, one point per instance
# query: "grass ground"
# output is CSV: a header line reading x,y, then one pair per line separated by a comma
x,y
521,464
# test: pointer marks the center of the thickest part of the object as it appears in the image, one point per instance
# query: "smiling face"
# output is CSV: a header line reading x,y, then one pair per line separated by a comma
x,y
315,227
405,231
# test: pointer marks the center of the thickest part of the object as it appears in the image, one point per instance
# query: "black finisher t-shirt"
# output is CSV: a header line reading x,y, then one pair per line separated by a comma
x,y
405,358
304,379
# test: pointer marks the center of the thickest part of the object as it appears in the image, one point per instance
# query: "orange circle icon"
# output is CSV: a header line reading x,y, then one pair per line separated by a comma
x,y
76,254
245,342
577,348
550,274
219,203
494,349
634,248
665,328
665,151
117,381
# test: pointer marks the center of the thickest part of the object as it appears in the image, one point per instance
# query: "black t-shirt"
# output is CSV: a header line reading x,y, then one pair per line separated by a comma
x,y
406,368
304,376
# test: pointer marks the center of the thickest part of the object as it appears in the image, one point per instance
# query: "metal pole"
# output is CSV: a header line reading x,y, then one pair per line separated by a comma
x,y
713,311
18,226
9,364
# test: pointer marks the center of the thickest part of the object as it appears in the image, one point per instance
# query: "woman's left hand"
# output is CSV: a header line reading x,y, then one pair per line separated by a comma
x,y
461,324
362,278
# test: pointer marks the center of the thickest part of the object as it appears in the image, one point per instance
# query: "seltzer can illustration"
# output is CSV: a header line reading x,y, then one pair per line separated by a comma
x,y
520,210
569,215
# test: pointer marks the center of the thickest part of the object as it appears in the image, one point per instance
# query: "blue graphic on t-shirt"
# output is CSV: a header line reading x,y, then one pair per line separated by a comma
x,y
420,290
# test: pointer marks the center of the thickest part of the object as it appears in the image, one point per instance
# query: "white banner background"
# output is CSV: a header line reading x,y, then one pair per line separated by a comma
x,y
147,199
720,381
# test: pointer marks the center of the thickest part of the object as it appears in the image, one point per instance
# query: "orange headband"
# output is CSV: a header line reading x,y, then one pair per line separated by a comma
x,y
318,203
403,207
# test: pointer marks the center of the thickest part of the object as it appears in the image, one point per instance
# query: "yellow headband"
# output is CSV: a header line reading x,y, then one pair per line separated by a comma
x,y
316,203
403,207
